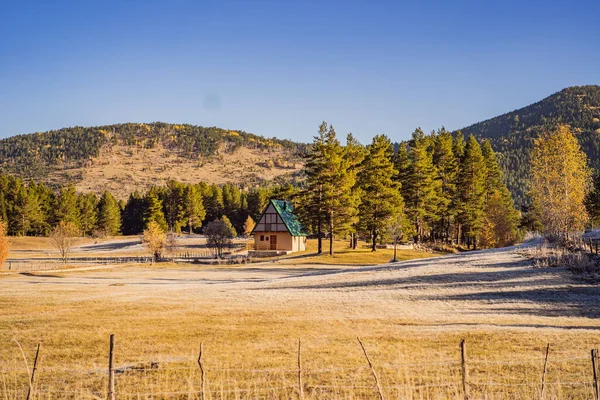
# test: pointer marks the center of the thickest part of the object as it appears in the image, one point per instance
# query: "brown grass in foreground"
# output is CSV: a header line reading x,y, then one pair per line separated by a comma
x,y
250,319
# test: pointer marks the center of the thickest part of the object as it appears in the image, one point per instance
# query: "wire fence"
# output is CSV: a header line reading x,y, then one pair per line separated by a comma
x,y
552,375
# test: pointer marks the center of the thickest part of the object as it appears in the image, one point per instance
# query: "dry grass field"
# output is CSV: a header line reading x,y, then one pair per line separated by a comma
x,y
410,316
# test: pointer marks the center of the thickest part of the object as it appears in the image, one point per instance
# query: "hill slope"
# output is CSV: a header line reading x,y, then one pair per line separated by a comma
x,y
512,134
124,157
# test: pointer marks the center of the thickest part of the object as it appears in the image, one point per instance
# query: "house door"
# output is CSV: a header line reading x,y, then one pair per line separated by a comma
x,y
273,242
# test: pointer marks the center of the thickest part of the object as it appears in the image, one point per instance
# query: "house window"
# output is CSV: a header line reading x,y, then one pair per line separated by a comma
x,y
262,238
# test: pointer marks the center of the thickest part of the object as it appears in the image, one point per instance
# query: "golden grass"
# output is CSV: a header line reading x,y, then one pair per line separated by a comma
x,y
250,318
344,255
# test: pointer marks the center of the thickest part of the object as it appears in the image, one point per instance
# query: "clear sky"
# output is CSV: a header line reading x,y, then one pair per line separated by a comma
x,y
279,68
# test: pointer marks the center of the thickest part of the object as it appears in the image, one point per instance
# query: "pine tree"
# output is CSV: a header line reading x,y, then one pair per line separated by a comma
x,y
381,200
355,154
560,180
154,210
311,210
339,202
213,202
229,225
501,219
471,191
193,208
109,214
257,200
133,214
447,168
592,201
421,186
173,205
88,212
66,205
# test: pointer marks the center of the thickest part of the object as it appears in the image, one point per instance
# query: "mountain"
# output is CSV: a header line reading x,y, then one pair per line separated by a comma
x,y
512,134
125,157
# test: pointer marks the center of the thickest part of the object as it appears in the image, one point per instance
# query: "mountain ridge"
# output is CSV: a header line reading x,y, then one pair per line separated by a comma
x,y
512,134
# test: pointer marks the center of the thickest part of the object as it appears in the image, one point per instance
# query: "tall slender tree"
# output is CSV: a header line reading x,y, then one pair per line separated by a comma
x,y
381,198
311,208
109,214
421,185
447,167
471,192
88,212
154,210
193,208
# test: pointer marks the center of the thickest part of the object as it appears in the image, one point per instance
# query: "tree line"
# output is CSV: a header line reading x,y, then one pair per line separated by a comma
x,y
35,209
434,187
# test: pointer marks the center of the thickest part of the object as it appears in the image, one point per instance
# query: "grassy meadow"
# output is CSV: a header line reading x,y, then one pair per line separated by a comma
x,y
410,317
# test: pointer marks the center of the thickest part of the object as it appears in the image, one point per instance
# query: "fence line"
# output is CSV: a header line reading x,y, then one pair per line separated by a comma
x,y
462,381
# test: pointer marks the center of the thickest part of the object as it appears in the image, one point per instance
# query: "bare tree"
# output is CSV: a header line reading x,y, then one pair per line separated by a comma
x,y
171,244
63,237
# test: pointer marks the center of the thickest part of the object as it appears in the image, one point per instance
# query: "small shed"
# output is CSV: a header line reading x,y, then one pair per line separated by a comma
x,y
278,230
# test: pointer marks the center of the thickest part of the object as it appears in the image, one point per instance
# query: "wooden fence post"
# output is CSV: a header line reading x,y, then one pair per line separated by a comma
x,y
32,378
372,370
111,370
203,397
544,373
464,368
595,373
300,387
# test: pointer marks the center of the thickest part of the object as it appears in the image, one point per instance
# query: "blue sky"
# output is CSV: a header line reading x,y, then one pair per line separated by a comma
x,y
279,68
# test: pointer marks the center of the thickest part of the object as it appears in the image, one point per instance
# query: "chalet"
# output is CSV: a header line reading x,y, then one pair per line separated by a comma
x,y
278,230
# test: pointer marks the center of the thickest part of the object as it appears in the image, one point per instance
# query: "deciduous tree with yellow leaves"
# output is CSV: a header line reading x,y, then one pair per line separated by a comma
x,y
560,180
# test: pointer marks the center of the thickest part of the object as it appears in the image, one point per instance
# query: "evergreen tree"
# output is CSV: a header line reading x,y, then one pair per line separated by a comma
x,y
154,210
193,208
88,212
66,205
133,214
46,199
339,202
421,186
592,201
471,191
381,200
173,205
213,202
257,200
229,225
458,146
109,214
311,210
447,168
501,219
354,154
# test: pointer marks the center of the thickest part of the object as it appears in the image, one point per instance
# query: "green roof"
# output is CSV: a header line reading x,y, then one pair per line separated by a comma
x,y
286,212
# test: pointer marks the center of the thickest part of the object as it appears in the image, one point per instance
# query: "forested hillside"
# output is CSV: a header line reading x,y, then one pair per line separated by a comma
x,y
512,134
125,157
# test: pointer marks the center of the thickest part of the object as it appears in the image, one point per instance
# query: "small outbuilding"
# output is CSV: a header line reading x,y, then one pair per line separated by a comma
x,y
278,230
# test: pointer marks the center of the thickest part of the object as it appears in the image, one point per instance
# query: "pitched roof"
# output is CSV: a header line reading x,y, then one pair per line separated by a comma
x,y
286,212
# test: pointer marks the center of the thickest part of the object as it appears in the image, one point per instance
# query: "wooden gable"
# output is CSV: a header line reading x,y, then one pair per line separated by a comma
x,y
271,221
